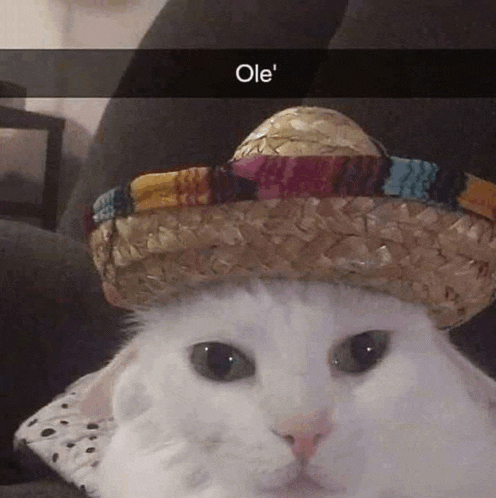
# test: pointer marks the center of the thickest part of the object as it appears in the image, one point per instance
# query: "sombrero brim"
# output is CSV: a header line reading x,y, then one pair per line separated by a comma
x,y
444,260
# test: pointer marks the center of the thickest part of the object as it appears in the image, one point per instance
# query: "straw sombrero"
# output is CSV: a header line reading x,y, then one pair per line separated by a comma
x,y
307,195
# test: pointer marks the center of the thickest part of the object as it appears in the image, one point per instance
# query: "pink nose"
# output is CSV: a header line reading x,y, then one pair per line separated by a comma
x,y
305,432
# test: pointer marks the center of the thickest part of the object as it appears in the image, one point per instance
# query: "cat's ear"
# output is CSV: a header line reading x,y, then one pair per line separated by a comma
x,y
97,402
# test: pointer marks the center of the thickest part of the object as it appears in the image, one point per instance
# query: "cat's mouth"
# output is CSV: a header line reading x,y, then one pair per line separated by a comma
x,y
303,485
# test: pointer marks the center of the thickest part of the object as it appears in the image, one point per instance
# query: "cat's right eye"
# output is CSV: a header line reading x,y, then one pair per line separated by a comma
x,y
361,352
221,362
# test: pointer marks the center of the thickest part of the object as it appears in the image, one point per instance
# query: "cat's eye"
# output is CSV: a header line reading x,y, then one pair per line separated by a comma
x,y
361,352
221,362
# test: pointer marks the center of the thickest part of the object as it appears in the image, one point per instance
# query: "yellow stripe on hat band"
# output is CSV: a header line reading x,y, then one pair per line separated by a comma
x,y
171,189
479,197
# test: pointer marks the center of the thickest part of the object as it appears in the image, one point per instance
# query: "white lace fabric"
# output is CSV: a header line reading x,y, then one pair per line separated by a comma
x,y
68,442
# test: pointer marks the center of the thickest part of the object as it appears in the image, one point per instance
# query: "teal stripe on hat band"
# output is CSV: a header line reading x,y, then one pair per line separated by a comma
x,y
410,178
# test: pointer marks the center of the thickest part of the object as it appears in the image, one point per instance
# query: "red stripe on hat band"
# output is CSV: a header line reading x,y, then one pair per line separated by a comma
x,y
317,176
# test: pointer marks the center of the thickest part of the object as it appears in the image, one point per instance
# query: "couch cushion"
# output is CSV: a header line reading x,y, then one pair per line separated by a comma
x,y
55,325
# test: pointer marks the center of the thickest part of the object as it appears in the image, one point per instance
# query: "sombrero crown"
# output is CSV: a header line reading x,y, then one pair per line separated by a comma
x,y
307,195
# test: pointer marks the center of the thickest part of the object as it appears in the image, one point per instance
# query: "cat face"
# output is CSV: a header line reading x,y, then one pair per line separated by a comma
x,y
292,389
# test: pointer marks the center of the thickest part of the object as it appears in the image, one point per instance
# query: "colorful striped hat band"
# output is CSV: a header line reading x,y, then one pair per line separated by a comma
x,y
306,209
283,177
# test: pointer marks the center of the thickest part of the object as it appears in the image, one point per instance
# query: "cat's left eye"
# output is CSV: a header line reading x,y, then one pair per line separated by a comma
x,y
221,362
361,352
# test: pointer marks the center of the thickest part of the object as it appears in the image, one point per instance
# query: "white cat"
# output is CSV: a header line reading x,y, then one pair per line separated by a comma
x,y
284,389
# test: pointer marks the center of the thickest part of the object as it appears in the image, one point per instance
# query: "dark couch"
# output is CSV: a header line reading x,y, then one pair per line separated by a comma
x,y
55,324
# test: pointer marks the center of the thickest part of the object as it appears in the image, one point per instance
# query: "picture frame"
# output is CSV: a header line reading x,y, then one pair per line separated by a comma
x,y
30,157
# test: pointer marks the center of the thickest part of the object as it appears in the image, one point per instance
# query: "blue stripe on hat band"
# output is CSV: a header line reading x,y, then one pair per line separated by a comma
x,y
410,178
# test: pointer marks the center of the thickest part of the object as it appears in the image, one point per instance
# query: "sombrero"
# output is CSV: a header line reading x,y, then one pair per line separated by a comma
x,y
307,195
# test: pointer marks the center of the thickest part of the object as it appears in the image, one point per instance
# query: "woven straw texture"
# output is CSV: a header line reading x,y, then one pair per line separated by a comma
x,y
416,252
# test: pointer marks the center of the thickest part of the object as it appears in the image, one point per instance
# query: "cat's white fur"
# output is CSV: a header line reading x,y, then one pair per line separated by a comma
x,y
420,424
